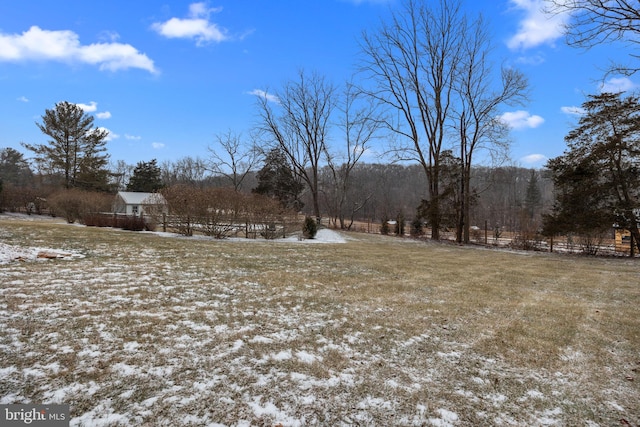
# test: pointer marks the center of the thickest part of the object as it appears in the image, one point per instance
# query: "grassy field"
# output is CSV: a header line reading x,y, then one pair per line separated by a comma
x,y
146,329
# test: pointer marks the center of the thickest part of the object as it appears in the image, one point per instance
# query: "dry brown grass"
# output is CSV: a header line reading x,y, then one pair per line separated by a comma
x,y
376,331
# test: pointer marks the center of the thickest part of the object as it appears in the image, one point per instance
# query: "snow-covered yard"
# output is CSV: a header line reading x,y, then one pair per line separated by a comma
x,y
10,253
143,329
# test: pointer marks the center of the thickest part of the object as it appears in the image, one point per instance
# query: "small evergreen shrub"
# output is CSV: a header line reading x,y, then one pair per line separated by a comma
x,y
309,228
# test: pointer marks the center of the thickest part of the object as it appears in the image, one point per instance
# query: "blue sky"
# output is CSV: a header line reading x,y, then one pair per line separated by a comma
x,y
166,77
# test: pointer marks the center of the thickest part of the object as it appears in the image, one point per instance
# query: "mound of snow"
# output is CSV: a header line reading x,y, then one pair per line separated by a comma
x,y
324,235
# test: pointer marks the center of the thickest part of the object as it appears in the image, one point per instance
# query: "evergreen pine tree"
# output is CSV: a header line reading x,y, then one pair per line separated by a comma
x,y
146,177
76,149
596,179
277,180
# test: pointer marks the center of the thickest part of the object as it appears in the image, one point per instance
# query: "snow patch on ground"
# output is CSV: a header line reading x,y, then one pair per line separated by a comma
x,y
10,253
447,418
324,235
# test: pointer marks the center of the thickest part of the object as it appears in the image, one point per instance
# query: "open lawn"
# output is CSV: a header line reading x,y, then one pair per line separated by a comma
x,y
146,329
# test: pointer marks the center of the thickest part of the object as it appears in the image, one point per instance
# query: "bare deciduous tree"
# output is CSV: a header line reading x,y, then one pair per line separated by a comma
x,y
359,125
412,62
480,94
299,125
120,174
432,66
238,159
593,22
187,170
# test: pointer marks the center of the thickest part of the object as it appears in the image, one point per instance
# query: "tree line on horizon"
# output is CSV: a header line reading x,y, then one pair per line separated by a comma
x,y
434,93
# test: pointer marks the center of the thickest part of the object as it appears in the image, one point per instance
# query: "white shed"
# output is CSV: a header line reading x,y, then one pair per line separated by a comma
x,y
138,203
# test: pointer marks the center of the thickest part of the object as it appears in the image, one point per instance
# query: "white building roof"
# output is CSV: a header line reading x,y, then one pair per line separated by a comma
x,y
140,198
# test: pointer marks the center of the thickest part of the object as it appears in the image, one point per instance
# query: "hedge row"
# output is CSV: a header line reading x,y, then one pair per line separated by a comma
x,y
125,222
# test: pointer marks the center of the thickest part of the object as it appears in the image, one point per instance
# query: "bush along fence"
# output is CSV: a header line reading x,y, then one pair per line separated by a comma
x,y
219,226
223,225
223,212
125,222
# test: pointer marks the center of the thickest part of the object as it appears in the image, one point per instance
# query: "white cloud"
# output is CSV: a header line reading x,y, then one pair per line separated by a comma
x,y
537,27
109,36
197,26
23,99
157,145
617,85
262,94
534,159
536,59
202,10
88,108
132,137
521,119
104,115
37,44
573,111
93,107
110,135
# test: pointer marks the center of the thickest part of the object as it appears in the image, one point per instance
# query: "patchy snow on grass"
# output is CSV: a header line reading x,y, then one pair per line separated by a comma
x,y
10,253
147,330
447,418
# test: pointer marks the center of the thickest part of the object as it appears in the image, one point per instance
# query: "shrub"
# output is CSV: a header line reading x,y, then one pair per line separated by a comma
x,y
131,223
384,228
184,203
477,234
221,212
98,220
309,228
270,231
591,243
527,240
14,198
74,205
69,204
416,229
218,210
529,236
